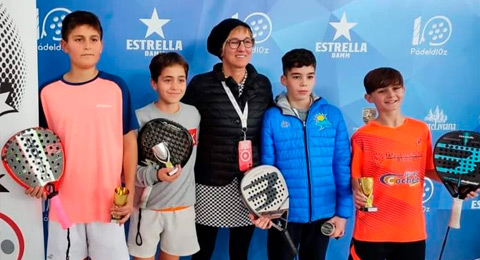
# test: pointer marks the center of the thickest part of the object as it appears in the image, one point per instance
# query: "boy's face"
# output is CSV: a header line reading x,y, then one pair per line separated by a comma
x,y
84,46
299,83
170,84
387,99
237,57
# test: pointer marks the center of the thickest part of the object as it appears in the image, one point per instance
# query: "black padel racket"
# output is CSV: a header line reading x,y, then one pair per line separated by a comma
x,y
457,162
163,143
264,192
34,157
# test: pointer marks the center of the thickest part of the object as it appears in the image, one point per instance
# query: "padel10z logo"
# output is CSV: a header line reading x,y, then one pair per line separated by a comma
x,y
437,120
262,27
155,28
433,33
50,30
339,49
428,189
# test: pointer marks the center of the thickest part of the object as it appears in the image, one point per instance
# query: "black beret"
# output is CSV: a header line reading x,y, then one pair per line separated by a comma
x,y
219,34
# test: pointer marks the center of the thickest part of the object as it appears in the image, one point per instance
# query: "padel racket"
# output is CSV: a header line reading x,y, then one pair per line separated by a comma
x,y
163,143
457,162
34,157
264,192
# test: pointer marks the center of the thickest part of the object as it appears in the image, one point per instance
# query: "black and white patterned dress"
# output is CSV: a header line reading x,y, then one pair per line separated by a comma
x,y
221,206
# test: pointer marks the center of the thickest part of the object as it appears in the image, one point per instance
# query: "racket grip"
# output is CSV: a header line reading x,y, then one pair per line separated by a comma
x,y
287,237
62,216
456,213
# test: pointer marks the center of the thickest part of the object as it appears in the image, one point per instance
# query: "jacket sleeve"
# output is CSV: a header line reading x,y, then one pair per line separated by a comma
x,y
341,170
267,148
146,176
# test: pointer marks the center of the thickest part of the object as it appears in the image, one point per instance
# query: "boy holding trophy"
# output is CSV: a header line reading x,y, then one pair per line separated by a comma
x,y
391,155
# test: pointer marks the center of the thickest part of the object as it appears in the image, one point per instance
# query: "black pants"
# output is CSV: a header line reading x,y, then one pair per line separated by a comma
x,y
362,250
313,244
238,244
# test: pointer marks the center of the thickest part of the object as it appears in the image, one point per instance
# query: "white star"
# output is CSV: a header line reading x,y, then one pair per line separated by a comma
x,y
343,27
154,24
4,107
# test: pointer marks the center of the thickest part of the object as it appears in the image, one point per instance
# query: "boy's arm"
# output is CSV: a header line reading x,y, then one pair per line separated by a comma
x,y
341,170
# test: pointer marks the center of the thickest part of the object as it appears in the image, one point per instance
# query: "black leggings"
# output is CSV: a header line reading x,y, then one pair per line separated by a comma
x,y
238,244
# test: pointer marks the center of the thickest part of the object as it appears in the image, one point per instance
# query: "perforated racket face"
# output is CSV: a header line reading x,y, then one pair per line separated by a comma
x,y
457,161
34,157
177,139
264,191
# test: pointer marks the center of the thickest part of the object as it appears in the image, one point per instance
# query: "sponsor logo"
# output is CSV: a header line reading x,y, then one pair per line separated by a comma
x,y
437,120
322,121
408,178
193,133
475,204
427,38
12,241
50,30
2,189
13,65
428,189
341,49
285,124
262,28
154,41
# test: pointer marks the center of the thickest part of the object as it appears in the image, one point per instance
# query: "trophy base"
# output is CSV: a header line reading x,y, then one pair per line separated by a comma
x,y
369,209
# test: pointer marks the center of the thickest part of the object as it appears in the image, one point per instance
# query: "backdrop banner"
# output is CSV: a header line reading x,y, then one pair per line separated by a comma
x,y
433,43
21,231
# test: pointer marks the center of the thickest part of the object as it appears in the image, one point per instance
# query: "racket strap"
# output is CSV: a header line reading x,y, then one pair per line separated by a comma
x,y
138,237
51,191
67,254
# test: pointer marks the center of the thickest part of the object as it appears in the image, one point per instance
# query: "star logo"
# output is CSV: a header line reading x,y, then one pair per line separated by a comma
x,y
155,24
343,27
6,91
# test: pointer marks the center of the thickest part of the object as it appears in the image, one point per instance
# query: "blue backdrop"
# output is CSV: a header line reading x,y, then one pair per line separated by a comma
x,y
433,43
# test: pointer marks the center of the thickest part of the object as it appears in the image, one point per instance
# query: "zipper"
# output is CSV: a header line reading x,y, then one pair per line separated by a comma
x,y
308,170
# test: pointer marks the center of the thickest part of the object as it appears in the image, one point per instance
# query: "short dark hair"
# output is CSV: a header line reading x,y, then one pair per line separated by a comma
x,y
382,77
79,18
298,58
163,60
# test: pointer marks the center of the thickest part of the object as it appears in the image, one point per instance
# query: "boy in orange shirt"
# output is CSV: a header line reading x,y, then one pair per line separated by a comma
x,y
396,151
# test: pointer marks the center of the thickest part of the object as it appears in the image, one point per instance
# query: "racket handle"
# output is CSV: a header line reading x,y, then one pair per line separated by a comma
x,y
287,237
456,213
62,216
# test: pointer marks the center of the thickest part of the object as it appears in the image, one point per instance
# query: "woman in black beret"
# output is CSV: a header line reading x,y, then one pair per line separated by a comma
x,y
231,99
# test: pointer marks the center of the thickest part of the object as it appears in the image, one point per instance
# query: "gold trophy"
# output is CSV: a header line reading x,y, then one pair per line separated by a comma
x,y
366,186
119,199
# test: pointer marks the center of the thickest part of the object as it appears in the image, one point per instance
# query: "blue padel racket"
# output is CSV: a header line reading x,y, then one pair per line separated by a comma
x,y
457,162
264,193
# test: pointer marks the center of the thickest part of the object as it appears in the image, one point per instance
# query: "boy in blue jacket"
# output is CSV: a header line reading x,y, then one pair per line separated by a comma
x,y
307,140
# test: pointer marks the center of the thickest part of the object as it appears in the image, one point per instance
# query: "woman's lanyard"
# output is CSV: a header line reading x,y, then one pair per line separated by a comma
x,y
243,115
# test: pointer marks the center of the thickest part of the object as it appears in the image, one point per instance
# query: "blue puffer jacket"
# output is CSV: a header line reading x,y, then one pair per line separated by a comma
x,y
314,158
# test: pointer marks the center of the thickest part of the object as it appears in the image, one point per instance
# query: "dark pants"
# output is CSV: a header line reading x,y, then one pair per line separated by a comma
x,y
313,244
362,250
238,244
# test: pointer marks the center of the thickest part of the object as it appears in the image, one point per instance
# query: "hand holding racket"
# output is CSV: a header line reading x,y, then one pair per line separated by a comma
x,y
457,162
34,158
162,144
265,194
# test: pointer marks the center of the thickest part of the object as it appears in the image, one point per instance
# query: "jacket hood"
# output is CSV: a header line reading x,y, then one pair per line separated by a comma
x,y
282,102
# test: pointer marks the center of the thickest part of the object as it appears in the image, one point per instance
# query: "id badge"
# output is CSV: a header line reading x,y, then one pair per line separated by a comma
x,y
245,161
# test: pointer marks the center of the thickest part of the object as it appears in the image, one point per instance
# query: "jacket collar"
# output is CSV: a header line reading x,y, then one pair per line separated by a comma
x,y
282,102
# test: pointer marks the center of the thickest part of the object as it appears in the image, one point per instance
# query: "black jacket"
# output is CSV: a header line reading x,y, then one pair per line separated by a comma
x,y
220,127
